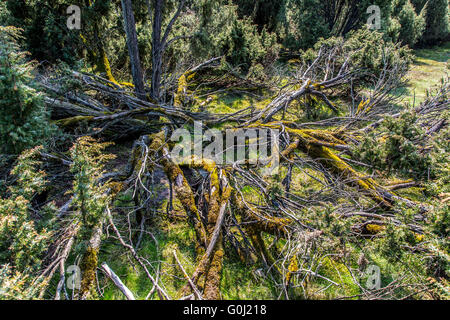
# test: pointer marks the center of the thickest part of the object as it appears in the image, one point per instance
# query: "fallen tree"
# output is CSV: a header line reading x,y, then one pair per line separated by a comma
x,y
224,217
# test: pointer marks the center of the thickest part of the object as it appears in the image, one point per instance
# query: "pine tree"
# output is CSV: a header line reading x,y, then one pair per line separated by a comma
x,y
437,21
23,117
407,26
44,28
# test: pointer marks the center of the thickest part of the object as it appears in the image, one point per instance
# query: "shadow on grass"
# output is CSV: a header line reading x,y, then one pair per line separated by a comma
x,y
438,53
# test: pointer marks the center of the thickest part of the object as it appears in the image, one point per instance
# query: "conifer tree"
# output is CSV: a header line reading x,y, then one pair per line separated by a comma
x,y
23,116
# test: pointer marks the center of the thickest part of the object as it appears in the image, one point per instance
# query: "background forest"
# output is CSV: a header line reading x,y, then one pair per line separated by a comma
x,y
92,206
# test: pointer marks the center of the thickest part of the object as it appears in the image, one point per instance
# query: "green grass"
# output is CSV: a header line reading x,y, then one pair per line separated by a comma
x,y
239,280
429,67
178,237
233,102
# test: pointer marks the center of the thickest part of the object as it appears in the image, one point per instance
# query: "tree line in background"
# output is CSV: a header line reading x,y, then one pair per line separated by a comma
x,y
249,33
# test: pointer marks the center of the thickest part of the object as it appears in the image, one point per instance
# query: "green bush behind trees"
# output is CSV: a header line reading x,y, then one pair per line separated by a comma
x,y
406,25
239,29
437,21
23,238
23,117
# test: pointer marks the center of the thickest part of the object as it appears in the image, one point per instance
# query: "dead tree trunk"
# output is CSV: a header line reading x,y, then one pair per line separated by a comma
x,y
119,284
130,30
156,49
160,43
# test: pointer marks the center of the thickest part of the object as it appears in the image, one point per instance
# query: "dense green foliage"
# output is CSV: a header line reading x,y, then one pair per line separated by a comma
x,y
89,198
45,30
437,21
22,241
23,117
407,25
303,22
369,51
23,238
247,32
394,147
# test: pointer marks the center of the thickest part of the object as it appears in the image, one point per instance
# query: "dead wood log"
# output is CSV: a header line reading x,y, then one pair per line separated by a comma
x,y
197,293
89,263
181,186
119,284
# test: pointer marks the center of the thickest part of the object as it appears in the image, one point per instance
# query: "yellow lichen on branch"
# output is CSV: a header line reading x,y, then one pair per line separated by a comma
x,y
182,188
220,192
74,120
272,225
102,61
292,268
208,272
307,142
339,167
183,82
88,268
